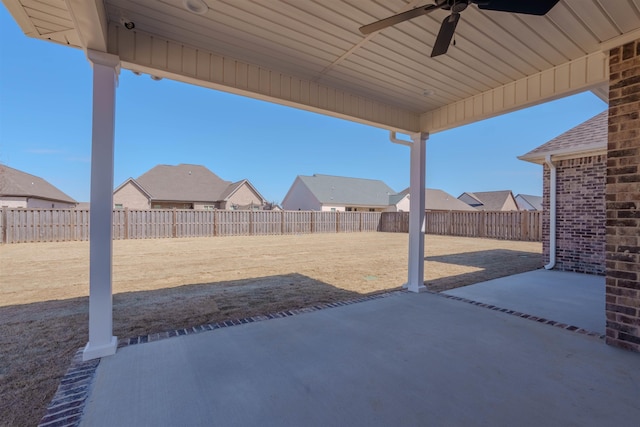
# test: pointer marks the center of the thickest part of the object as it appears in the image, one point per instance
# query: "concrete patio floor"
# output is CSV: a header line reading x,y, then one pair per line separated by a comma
x,y
400,360
571,298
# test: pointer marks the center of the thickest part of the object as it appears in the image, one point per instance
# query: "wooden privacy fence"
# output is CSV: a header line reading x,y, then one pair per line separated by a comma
x,y
56,225
508,225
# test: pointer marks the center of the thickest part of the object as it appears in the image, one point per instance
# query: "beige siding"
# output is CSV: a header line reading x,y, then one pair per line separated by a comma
x,y
244,196
130,196
510,205
402,206
13,202
328,208
34,203
299,197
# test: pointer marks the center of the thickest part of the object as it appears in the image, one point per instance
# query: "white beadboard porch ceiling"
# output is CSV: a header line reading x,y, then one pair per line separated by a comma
x,y
310,54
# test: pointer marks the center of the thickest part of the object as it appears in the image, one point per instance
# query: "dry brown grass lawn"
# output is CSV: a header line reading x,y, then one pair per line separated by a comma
x,y
167,284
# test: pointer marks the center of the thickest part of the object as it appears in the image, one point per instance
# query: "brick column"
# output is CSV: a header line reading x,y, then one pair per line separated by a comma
x,y
623,199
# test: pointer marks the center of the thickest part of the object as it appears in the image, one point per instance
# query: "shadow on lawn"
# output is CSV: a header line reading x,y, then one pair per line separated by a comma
x,y
38,340
493,264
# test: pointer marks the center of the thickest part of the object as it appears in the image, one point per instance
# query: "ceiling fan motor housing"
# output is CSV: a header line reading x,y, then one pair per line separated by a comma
x,y
456,6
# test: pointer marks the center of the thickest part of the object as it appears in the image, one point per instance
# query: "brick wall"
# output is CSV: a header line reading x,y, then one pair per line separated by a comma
x,y
623,199
580,215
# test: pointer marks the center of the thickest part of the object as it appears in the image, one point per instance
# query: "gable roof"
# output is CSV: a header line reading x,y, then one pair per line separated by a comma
x,y
14,182
490,200
231,189
183,182
437,200
533,201
340,190
587,138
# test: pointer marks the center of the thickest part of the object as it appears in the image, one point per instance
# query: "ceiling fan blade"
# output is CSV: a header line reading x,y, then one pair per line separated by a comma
x,y
447,29
400,17
529,7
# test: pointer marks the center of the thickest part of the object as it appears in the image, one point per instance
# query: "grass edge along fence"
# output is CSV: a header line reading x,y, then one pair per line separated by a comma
x,y
57,225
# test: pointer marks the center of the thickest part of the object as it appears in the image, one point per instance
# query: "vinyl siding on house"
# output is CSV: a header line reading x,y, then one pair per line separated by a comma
x,y
300,197
244,196
130,196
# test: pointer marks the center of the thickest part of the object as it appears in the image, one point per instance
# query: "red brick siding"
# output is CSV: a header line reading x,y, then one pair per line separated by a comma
x,y
623,199
580,214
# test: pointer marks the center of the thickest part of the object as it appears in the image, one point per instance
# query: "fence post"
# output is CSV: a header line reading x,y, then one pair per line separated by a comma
x,y
126,224
360,224
337,221
174,225
4,225
312,229
251,222
524,225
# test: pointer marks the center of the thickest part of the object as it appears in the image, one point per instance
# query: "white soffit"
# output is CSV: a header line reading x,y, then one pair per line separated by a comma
x,y
311,55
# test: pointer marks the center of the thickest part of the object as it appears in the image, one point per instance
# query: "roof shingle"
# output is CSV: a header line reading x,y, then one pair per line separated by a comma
x,y
183,182
342,190
587,136
14,182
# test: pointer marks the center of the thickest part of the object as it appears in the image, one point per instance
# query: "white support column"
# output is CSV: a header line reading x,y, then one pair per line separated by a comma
x,y
105,79
416,213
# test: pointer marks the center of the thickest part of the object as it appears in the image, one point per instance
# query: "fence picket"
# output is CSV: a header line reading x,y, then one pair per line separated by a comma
x,y
48,225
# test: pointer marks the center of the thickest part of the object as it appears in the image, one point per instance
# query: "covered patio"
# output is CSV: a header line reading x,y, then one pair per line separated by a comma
x,y
395,359
310,55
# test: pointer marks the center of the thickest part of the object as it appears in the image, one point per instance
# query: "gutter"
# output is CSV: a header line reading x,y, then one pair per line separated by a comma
x,y
552,213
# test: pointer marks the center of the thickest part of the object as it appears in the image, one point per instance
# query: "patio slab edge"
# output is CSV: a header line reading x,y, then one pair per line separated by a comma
x,y
67,405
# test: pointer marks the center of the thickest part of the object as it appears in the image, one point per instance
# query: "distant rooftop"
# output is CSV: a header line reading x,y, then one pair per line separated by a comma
x,y
14,182
589,136
489,200
437,200
344,190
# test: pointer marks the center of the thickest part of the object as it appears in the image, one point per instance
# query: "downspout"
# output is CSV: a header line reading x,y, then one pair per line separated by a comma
x,y
552,212
392,138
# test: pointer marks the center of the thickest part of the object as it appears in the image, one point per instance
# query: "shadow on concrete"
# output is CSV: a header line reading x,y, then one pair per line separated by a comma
x,y
38,340
492,264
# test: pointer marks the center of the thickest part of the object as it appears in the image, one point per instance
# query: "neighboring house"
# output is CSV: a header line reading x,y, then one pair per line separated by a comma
x,y
185,187
580,159
490,200
22,190
435,200
527,202
337,193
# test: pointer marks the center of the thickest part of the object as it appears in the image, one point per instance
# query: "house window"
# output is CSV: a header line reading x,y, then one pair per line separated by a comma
x,y
119,206
372,210
333,209
209,207
348,209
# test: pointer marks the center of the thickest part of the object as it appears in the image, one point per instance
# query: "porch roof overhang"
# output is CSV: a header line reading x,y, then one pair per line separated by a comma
x,y
310,55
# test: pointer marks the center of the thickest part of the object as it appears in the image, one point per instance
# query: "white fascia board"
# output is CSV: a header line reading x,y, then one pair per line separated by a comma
x,y
90,20
567,153
582,74
160,57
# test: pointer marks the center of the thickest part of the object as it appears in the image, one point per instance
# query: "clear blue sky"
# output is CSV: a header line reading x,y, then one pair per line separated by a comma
x,y
45,130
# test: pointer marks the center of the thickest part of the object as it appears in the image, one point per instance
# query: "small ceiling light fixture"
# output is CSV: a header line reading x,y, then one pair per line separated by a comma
x,y
128,24
156,78
198,7
137,73
428,92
